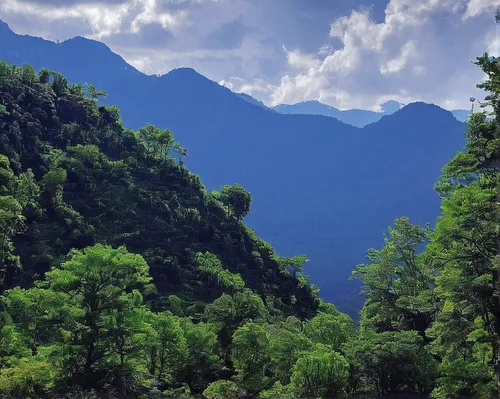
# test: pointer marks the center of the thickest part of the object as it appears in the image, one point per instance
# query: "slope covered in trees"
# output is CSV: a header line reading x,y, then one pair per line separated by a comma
x,y
122,277
313,179
82,178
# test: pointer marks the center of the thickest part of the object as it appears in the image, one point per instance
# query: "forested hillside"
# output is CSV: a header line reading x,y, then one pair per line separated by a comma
x,y
122,277
313,179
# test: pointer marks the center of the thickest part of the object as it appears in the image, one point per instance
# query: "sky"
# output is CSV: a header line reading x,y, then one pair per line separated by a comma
x,y
344,53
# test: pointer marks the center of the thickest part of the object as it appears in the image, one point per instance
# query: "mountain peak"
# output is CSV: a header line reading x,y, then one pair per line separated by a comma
x,y
184,72
86,43
423,106
418,113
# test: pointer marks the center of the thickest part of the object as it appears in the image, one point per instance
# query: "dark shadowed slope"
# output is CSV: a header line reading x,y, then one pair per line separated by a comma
x,y
320,187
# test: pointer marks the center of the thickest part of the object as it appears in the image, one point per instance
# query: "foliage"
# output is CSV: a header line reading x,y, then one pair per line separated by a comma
x,y
221,390
320,372
136,281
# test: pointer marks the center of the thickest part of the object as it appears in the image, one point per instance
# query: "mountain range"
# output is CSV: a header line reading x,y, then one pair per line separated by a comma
x,y
320,187
354,117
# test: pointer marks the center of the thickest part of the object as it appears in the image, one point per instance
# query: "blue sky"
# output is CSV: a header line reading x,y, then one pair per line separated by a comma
x,y
346,53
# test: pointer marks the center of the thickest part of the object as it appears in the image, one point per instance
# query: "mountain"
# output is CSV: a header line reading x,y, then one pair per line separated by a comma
x,y
79,186
461,114
252,100
354,117
320,187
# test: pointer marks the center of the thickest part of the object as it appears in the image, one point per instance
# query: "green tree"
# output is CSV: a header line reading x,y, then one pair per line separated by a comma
x,y
11,221
27,193
285,347
236,199
330,330
390,362
210,266
222,389
278,391
95,94
249,306
166,347
320,372
250,355
398,282
466,246
33,338
203,361
292,266
101,281
158,143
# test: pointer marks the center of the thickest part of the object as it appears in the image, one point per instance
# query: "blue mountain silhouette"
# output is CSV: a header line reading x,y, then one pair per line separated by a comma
x,y
320,187
354,117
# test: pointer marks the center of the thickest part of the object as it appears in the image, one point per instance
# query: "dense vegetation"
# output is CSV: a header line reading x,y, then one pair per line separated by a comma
x,y
122,277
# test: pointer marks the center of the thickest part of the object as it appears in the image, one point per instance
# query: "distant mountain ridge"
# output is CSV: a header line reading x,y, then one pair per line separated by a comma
x,y
252,100
320,187
354,117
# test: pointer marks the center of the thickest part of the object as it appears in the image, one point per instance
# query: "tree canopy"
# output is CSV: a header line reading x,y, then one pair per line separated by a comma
x,y
122,277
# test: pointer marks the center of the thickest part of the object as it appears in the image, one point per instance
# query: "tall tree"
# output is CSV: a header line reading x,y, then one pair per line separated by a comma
x,y
104,283
466,245
11,221
398,282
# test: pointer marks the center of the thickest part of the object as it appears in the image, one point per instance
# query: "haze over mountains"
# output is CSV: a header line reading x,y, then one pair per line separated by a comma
x,y
320,187
354,117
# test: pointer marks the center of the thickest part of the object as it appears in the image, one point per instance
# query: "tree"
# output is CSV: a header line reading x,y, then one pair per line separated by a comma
x,y
398,282
236,199
330,330
203,361
278,391
11,221
95,94
166,347
320,372
466,246
210,266
165,142
101,281
249,306
158,143
250,355
292,266
222,389
28,193
285,347
390,362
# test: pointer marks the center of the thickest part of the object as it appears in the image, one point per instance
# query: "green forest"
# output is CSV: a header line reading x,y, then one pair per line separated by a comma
x,y
122,277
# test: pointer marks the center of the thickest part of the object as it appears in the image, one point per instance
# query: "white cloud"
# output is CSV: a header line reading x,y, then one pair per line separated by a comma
x,y
408,53
421,50
149,13
155,36
227,84
104,19
412,55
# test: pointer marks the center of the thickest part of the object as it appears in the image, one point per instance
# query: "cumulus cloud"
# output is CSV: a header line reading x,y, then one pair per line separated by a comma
x,y
227,84
421,51
416,50
103,18
219,38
